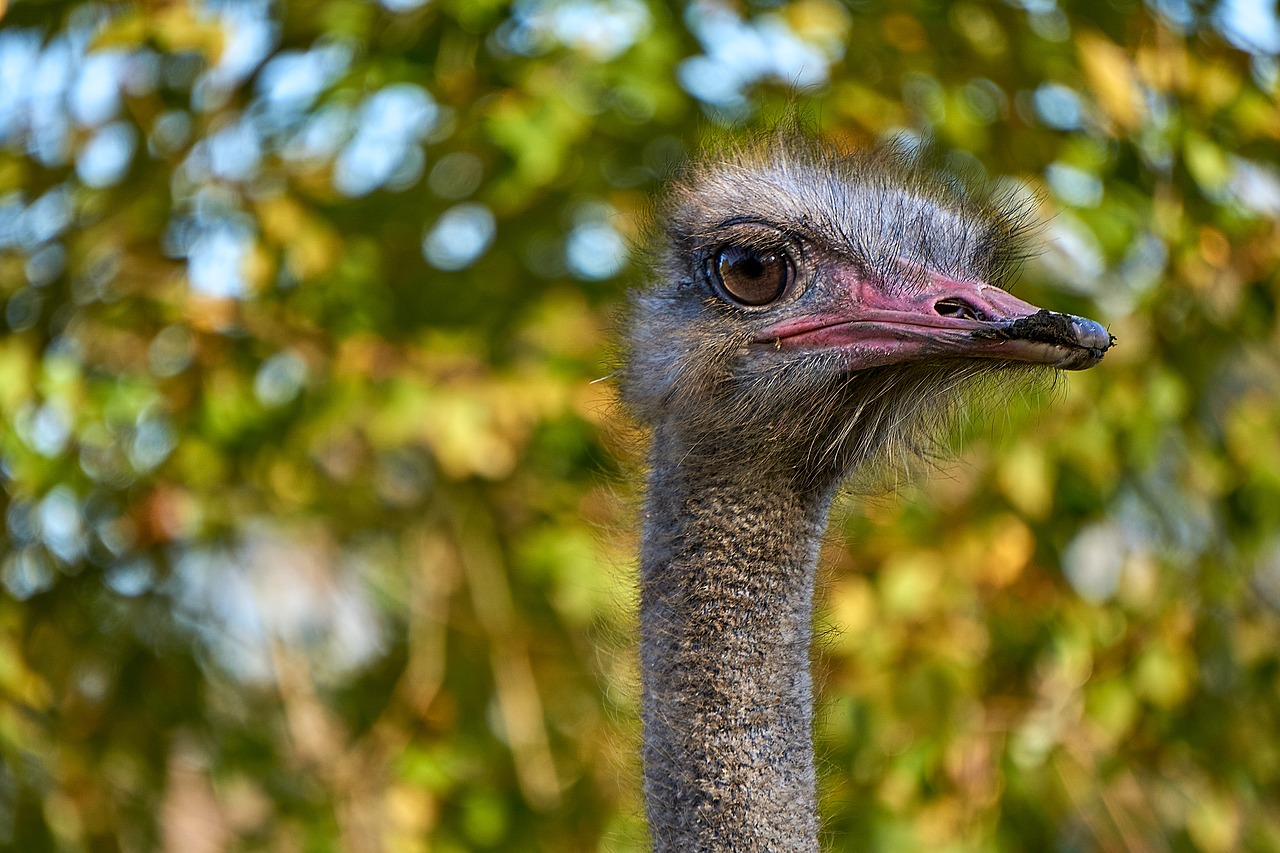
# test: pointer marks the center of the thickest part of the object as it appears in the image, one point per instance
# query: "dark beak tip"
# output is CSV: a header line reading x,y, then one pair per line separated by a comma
x,y
1082,342
1088,333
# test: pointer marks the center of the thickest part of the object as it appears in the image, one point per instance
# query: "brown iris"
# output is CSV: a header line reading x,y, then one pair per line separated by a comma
x,y
752,276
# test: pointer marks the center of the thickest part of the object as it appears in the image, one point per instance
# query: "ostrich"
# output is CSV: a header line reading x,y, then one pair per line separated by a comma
x,y
809,312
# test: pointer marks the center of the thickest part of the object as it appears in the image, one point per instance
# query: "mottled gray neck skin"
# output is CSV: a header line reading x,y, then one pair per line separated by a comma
x,y
726,605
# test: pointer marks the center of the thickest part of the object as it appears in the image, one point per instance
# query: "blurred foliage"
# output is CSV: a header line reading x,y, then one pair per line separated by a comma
x,y
317,532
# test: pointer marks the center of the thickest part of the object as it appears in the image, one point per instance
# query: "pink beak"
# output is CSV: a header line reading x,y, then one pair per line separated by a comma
x,y
944,318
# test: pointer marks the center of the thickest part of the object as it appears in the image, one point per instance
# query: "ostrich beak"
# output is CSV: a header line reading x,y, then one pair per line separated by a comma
x,y
943,318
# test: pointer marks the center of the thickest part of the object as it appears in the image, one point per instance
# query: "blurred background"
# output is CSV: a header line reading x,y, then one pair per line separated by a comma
x,y
318,534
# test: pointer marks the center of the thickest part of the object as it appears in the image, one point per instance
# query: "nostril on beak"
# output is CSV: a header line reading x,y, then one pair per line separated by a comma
x,y
958,309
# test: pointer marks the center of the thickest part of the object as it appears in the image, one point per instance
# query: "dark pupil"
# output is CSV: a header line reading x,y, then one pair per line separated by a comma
x,y
752,277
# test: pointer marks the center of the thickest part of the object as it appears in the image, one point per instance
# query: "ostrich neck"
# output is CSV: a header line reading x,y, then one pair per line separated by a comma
x,y
727,574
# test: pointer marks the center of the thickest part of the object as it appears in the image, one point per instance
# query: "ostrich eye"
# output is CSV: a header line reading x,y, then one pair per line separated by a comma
x,y
751,276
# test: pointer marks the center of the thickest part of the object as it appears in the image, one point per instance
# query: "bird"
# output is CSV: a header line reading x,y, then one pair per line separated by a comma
x,y
808,313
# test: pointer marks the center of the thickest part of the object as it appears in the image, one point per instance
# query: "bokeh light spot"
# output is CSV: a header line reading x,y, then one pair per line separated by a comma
x,y
215,263
389,125
61,525
1076,187
27,572
95,95
105,159
456,176
131,578
171,351
595,251
460,236
279,379
1058,106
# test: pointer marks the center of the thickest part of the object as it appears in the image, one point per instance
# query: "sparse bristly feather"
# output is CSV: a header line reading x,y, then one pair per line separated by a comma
x,y
809,311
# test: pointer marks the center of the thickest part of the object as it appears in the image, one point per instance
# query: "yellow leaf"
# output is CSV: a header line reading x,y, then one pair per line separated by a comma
x,y
1110,74
178,28
1214,824
819,21
909,583
980,28
1024,477
1011,546
1162,676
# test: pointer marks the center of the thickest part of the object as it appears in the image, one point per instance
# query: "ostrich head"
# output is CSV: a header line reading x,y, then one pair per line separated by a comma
x,y
809,308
